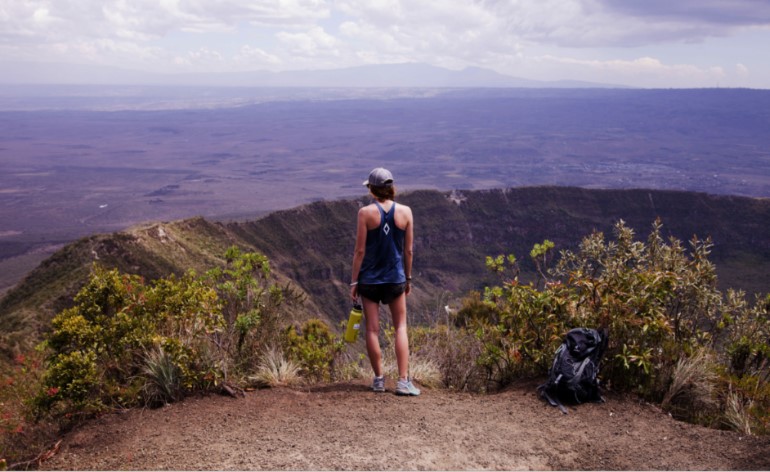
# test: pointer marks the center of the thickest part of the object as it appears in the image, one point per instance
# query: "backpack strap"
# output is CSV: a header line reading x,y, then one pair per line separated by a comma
x,y
554,382
552,401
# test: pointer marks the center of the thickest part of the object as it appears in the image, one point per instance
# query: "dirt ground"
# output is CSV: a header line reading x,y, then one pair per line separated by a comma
x,y
348,427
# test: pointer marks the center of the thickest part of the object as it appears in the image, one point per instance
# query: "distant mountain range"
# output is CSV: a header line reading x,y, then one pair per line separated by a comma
x,y
384,75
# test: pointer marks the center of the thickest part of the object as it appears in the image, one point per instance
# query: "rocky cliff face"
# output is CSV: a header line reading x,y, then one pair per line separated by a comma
x,y
454,231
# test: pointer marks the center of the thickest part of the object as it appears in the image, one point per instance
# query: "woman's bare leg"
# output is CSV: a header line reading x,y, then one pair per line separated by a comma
x,y
372,313
398,312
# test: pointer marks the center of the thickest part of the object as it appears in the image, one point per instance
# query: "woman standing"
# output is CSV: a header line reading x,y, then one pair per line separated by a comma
x,y
382,273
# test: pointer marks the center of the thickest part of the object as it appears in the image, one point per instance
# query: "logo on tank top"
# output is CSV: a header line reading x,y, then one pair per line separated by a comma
x,y
386,229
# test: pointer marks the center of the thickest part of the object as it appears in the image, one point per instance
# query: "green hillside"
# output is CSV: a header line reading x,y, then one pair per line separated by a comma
x,y
312,245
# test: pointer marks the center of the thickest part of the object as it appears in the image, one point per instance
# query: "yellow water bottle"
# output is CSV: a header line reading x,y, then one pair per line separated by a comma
x,y
354,324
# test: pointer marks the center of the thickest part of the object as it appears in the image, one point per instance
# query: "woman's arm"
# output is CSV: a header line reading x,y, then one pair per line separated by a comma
x,y
408,249
358,252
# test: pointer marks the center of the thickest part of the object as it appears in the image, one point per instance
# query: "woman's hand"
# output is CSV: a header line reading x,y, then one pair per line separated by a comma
x,y
354,292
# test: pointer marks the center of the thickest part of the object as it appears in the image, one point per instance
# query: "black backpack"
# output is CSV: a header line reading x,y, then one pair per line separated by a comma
x,y
573,375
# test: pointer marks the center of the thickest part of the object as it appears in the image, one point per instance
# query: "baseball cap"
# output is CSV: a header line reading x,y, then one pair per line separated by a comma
x,y
379,177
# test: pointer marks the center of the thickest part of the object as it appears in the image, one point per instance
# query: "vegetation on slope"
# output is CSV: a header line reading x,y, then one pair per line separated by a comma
x,y
675,338
126,342
312,246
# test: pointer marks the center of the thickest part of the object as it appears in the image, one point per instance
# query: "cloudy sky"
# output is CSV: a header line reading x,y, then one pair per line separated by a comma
x,y
646,43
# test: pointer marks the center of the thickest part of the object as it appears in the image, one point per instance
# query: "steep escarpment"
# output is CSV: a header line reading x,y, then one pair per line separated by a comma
x,y
454,231
312,245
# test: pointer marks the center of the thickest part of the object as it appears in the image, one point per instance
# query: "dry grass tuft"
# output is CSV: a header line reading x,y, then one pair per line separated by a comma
x,y
693,381
425,372
353,369
737,415
162,378
275,370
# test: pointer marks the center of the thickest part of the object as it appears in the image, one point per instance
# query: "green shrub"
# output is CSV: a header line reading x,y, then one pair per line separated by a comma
x,y
97,349
125,343
531,325
657,301
674,337
744,341
253,306
315,348
519,326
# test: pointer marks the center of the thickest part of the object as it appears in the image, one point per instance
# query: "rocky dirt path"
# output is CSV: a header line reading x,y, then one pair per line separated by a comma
x,y
347,427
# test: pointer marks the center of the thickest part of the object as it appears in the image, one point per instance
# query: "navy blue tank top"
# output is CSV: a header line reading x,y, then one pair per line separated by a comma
x,y
384,257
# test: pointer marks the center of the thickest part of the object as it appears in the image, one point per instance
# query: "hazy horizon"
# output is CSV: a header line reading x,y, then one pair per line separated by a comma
x,y
684,44
31,78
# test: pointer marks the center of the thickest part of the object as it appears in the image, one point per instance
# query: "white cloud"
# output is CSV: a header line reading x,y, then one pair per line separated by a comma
x,y
254,57
93,30
43,17
506,35
450,33
376,12
312,43
202,60
145,19
121,51
385,41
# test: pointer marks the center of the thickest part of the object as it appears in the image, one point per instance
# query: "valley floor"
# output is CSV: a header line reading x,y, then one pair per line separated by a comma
x,y
347,427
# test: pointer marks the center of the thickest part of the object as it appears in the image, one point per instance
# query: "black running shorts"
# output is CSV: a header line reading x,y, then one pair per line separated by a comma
x,y
381,293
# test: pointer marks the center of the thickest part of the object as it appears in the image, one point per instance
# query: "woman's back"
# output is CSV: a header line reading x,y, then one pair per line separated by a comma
x,y
385,238
373,219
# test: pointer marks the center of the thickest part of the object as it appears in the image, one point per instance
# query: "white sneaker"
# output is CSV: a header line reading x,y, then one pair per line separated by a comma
x,y
405,387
